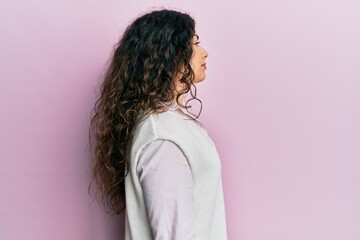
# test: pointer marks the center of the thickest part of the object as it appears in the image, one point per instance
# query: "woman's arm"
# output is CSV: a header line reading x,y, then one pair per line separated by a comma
x,y
168,188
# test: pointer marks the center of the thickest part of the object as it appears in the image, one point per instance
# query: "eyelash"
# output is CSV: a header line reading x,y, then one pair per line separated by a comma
x,y
197,43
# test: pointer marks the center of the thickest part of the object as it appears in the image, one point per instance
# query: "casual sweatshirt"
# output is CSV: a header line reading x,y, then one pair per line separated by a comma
x,y
168,188
142,200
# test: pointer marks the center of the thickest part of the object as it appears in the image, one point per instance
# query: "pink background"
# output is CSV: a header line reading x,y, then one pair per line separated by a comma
x,y
281,102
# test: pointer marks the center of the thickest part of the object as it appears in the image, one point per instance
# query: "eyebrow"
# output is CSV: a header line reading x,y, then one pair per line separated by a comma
x,y
197,36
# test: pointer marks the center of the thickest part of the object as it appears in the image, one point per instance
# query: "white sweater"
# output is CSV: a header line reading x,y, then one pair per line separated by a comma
x,y
168,189
203,158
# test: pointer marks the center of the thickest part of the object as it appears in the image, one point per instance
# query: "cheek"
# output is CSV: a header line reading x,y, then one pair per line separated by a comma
x,y
195,54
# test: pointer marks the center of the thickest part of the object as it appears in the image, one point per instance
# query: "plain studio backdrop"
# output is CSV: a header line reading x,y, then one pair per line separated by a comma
x,y
281,101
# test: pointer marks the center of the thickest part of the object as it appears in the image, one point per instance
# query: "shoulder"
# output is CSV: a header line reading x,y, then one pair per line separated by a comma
x,y
168,125
164,121
161,150
172,125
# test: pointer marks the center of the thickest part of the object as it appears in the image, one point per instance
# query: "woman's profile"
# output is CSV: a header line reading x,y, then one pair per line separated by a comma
x,y
151,158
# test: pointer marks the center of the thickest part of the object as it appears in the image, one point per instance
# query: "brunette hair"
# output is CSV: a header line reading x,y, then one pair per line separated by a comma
x,y
141,74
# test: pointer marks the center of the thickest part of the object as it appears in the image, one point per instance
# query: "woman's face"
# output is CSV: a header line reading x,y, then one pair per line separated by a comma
x,y
198,63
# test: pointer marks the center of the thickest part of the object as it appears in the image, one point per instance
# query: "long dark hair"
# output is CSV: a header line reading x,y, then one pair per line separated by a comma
x,y
141,74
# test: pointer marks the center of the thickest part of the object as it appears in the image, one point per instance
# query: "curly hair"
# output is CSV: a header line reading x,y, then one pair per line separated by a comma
x,y
140,75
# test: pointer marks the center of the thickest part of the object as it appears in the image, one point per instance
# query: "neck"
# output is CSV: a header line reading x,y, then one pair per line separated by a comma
x,y
179,87
181,99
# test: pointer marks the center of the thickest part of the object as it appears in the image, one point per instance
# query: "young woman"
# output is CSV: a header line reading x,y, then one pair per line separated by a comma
x,y
151,158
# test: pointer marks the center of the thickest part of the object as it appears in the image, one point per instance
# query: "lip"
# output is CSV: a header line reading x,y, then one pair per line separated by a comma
x,y
204,65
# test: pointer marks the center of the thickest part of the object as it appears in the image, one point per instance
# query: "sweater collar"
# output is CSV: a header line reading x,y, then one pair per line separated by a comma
x,y
174,106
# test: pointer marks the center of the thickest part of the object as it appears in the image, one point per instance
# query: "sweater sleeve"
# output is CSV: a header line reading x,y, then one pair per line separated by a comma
x,y
168,187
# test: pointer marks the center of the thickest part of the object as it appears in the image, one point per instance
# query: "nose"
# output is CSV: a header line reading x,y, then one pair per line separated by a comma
x,y
206,54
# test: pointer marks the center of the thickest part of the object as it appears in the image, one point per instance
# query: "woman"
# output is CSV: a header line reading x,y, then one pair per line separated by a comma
x,y
152,159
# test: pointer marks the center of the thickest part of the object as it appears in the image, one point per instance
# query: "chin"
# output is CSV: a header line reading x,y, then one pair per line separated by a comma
x,y
200,78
